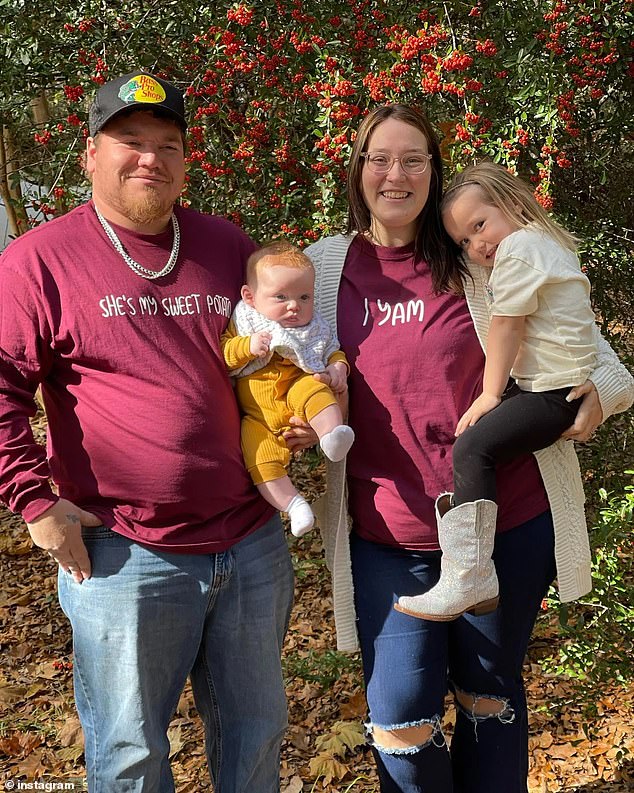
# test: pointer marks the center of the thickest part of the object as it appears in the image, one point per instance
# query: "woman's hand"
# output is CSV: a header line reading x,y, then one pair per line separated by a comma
x,y
589,415
300,436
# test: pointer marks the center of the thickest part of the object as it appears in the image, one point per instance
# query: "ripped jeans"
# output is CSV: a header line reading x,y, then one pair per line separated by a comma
x,y
409,665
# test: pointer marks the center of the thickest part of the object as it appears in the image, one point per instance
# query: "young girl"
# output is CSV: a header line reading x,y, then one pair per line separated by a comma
x,y
540,333
273,345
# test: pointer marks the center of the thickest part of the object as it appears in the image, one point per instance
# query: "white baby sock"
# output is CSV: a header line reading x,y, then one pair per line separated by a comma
x,y
301,516
336,444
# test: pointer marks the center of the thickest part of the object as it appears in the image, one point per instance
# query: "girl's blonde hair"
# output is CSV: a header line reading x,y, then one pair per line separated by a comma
x,y
511,195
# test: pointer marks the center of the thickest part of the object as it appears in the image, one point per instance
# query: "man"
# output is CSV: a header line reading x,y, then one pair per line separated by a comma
x,y
170,564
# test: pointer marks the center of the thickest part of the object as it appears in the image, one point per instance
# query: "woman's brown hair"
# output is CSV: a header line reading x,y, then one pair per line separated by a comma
x,y
432,244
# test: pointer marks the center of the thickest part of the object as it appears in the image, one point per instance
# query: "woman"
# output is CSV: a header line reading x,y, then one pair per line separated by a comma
x,y
412,319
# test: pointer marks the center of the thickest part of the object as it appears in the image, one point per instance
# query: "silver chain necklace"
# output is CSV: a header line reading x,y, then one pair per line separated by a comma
x,y
135,266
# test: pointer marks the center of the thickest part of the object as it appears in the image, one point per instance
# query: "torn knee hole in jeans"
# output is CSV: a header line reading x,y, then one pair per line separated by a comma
x,y
407,738
478,707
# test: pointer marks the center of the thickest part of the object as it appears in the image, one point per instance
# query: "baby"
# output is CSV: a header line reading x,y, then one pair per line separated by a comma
x,y
273,345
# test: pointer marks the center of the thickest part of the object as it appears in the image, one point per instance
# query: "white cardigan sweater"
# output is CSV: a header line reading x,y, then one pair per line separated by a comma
x,y
558,463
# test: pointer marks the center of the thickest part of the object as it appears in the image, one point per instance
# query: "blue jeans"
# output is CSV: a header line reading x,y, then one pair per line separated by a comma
x,y
409,664
146,620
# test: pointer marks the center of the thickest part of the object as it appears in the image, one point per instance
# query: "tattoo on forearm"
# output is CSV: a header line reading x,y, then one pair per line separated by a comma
x,y
72,518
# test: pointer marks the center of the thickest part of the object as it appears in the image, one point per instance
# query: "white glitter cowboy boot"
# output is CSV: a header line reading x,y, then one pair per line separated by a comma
x,y
467,574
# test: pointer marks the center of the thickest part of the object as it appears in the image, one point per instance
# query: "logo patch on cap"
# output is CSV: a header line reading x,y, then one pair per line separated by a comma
x,y
142,89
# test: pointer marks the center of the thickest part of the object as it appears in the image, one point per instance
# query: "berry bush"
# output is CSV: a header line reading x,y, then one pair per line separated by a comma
x,y
275,90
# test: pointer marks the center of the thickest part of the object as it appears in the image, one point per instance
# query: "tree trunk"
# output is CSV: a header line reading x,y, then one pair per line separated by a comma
x,y
39,108
10,190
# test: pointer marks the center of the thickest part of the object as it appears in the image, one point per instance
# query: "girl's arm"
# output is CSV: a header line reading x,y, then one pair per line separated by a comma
x,y
503,343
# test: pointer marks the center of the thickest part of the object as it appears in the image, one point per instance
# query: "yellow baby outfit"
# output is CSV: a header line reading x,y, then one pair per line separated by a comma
x,y
268,397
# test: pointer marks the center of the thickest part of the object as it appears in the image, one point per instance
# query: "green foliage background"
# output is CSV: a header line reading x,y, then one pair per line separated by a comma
x,y
275,91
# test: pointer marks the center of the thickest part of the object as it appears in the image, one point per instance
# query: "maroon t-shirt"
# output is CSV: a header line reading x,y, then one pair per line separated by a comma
x,y
144,429
416,366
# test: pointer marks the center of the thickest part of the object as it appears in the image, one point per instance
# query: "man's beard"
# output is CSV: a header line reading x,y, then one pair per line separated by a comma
x,y
146,208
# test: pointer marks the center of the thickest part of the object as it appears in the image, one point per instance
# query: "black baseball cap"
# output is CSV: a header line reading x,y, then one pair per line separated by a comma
x,y
135,90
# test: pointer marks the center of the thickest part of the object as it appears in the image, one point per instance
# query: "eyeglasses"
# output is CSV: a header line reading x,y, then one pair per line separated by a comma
x,y
380,163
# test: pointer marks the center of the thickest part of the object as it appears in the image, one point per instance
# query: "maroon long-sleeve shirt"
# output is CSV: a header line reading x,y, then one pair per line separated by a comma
x,y
143,427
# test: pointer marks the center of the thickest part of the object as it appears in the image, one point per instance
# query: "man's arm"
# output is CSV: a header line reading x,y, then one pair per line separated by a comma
x,y
25,359
53,523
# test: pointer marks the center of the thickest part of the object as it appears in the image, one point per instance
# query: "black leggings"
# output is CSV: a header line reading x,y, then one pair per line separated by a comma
x,y
524,422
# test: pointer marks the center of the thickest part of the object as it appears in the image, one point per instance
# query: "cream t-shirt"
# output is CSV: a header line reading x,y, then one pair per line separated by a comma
x,y
534,276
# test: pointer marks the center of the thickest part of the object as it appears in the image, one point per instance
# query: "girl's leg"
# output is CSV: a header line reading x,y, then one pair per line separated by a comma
x,y
489,749
523,423
405,669
466,535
